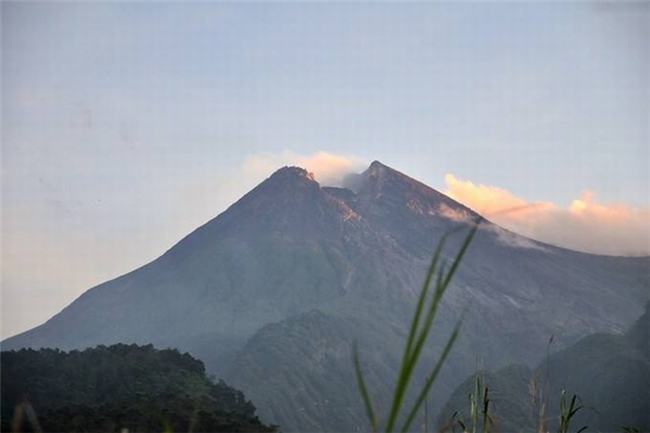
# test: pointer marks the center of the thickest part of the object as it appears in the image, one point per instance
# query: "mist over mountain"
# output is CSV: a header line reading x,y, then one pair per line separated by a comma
x,y
610,373
271,294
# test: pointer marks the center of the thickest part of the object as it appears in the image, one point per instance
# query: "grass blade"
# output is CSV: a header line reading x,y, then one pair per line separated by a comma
x,y
432,377
442,283
407,357
423,294
462,251
363,389
419,331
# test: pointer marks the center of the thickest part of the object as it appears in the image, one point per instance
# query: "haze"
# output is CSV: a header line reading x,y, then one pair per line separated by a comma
x,y
124,127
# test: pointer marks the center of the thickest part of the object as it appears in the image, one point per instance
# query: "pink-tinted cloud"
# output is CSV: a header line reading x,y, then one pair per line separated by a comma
x,y
585,225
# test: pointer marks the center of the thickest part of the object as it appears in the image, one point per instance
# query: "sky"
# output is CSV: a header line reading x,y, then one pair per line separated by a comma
x,y
125,125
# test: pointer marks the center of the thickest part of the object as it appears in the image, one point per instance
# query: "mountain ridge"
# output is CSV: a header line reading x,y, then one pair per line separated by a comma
x,y
620,362
290,246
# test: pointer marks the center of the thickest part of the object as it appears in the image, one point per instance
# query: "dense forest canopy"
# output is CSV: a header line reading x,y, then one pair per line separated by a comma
x,y
132,387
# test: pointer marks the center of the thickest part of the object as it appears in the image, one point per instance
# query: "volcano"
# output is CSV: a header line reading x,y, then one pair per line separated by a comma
x,y
272,293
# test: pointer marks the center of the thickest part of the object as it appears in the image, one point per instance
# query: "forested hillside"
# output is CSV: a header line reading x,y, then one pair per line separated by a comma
x,y
106,389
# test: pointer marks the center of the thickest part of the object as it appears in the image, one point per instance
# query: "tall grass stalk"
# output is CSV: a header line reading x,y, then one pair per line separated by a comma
x,y
421,324
568,409
479,407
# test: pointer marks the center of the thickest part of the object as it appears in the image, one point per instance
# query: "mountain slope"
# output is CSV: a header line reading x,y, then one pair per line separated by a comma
x,y
609,372
357,255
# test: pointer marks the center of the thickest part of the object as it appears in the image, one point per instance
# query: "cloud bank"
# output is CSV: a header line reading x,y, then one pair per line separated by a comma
x,y
328,168
585,225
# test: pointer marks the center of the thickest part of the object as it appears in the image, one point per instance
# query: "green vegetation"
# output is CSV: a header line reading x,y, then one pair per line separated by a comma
x,y
568,410
106,389
423,318
479,408
479,413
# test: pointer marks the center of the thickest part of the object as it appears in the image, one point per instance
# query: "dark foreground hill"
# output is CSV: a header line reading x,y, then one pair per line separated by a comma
x,y
610,374
107,389
272,292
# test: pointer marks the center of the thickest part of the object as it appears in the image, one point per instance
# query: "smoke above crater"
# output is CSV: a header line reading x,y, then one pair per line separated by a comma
x,y
329,169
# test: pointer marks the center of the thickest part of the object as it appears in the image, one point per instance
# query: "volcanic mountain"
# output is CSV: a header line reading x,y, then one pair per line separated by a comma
x,y
272,293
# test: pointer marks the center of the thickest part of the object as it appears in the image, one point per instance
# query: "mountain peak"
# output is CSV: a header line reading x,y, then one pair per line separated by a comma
x,y
290,182
398,197
375,171
376,168
383,175
288,172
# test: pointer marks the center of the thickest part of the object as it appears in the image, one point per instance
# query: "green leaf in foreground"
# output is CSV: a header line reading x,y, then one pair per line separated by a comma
x,y
421,324
364,390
